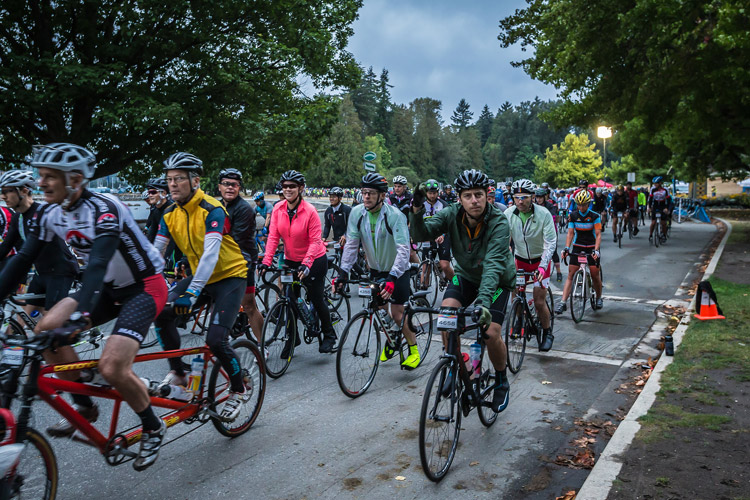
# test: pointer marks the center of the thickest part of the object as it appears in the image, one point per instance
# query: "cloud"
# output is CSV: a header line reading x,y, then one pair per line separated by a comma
x,y
444,49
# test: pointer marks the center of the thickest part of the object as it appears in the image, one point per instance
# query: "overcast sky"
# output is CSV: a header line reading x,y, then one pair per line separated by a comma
x,y
444,49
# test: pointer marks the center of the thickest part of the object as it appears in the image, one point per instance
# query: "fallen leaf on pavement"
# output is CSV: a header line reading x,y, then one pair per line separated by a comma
x,y
569,495
546,382
400,478
473,463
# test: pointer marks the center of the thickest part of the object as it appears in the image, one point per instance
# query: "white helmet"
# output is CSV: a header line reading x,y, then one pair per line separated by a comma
x,y
400,179
18,178
523,186
65,157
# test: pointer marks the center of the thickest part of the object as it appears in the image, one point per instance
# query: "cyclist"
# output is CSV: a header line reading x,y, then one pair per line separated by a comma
x,y
262,208
642,202
600,204
336,217
200,228
158,200
485,273
382,231
122,281
582,186
620,201
242,224
448,196
658,200
56,267
400,197
433,205
541,197
584,238
533,232
632,206
297,222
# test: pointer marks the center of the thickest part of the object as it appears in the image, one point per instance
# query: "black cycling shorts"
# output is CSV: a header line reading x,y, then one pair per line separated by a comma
x,y
466,292
250,277
54,288
587,251
226,295
135,306
663,215
402,288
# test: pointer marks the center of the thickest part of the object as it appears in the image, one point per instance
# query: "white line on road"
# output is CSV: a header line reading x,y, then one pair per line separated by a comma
x,y
590,358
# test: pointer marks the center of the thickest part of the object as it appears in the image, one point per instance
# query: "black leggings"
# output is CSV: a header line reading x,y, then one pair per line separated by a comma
x,y
316,283
226,296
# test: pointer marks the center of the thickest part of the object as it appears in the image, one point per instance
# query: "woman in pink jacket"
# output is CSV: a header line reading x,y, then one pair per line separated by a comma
x,y
297,222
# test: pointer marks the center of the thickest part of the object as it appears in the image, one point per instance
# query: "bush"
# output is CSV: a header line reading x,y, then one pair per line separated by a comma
x,y
741,200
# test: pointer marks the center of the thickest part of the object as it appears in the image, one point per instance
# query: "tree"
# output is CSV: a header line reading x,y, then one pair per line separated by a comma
x,y
384,113
462,116
564,165
403,150
427,136
365,99
484,124
671,77
137,83
376,144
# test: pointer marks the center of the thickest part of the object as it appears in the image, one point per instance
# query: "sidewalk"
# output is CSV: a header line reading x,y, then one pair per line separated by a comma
x,y
694,442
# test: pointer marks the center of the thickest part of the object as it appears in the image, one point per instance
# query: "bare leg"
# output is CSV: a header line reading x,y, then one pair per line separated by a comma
x,y
254,316
116,366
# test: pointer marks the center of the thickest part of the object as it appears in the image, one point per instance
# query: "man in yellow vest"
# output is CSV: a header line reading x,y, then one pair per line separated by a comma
x,y
200,228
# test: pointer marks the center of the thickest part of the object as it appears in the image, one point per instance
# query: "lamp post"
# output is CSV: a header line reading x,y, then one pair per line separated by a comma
x,y
604,133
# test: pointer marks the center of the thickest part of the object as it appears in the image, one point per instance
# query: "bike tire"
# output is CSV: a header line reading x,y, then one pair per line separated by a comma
x,y
592,295
619,241
440,421
578,297
340,315
254,379
151,338
486,385
515,335
657,234
36,475
421,325
333,272
358,356
550,299
279,327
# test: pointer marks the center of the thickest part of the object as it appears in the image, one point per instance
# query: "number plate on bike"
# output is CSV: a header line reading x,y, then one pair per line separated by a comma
x,y
336,246
619,214
365,291
520,280
287,278
658,215
582,259
447,321
13,356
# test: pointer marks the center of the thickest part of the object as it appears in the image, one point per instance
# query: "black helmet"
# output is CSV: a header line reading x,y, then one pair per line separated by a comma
x,y
336,191
230,173
160,184
293,176
375,181
469,179
184,161
431,185
583,183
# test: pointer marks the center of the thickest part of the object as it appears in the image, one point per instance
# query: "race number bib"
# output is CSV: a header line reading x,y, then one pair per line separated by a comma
x,y
287,278
447,322
365,291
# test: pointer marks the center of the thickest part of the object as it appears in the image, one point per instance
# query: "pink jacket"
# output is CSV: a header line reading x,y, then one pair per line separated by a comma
x,y
302,238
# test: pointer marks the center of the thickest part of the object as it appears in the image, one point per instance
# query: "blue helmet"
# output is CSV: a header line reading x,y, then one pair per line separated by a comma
x,y
258,196
657,179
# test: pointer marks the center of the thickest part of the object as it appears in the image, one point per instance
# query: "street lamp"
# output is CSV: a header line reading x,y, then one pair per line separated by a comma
x,y
604,133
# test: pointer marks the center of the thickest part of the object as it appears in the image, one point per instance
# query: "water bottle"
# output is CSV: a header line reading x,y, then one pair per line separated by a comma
x,y
175,392
475,352
35,313
196,371
386,319
467,361
152,386
304,311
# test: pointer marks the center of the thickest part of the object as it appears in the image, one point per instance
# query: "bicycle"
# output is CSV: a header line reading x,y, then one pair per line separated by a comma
x,y
280,330
563,221
620,224
658,237
452,384
358,355
202,407
430,276
523,321
582,287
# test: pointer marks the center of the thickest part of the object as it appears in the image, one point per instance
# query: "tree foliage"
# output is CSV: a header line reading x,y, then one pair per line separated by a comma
x,y
671,77
462,116
570,161
136,83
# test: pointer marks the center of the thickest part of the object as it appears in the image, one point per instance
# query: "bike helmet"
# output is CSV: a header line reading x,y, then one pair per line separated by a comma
x,y
293,176
545,185
582,197
583,183
599,190
375,181
431,185
64,157
469,179
259,196
400,179
230,173
157,183
336,191
184,161
278,188
523,186
18,178
492,182
358,196
540,192
657,179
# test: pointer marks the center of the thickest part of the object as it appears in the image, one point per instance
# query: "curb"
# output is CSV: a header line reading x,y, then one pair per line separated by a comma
x,y
599,481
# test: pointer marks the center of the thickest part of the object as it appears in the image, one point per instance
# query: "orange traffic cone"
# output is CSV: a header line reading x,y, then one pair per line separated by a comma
x,y
708,308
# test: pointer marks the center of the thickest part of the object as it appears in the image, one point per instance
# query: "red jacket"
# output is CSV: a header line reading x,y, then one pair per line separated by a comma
x,y
302,237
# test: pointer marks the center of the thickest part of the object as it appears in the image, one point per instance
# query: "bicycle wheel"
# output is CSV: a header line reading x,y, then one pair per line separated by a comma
x,y
279,329
151,338
91,344
253,377
657,233
440,421
36,475
591,294
335,299
358,356
578,297
421,325
515,335
550,299
486,382
425,280
619,240
340,313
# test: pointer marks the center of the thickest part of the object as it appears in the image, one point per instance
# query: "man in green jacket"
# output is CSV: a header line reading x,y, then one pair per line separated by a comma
x,y
485,269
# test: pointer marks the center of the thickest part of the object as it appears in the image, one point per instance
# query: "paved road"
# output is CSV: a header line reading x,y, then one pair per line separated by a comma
x,y
310,441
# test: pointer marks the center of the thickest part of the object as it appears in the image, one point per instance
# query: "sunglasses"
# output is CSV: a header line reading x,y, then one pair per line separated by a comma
x,y
152,191
521,197
230,184
289,186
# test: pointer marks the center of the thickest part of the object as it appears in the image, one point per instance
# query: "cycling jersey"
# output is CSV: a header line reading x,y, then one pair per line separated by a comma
x,y
448,198
384,240
201,230
56,259
154,218
600,204
659,199
642,199
5,217
302,234
336,218
584,225
263,209
632,198
402,202
535,240
620,202
242,221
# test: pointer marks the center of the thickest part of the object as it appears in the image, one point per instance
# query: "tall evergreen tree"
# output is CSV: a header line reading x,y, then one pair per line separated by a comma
x,y
384,114
365,99
484,124
461,115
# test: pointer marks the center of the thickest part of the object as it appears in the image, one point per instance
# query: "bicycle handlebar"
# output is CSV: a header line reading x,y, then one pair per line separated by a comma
x,y
468,312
